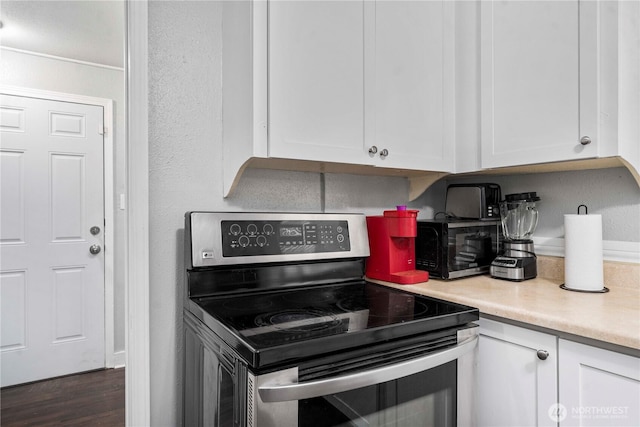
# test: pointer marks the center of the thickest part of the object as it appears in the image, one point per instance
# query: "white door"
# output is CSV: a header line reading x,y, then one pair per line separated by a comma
x,y
51,285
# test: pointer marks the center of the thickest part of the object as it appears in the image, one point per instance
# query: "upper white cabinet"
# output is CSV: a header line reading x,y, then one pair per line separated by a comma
x,y
558,81
316,80
361,83
409,85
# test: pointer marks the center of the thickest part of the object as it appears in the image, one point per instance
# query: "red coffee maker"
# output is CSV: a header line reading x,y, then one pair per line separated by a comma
x,y
392,247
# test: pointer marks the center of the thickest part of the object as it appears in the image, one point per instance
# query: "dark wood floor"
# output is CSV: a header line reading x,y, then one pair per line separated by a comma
x,y
89,399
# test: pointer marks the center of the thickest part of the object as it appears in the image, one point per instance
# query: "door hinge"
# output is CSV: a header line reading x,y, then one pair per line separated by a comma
x,y
102,130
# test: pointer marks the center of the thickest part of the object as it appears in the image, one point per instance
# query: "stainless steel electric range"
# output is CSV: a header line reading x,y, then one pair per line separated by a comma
x,y
282,329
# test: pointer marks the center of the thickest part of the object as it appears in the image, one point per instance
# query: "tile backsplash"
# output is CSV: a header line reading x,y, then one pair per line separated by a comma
x,y
616,274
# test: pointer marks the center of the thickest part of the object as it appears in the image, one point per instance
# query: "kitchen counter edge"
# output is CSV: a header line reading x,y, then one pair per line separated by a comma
x,y
610,318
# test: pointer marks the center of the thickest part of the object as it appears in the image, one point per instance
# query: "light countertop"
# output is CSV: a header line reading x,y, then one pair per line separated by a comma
x,y
612,317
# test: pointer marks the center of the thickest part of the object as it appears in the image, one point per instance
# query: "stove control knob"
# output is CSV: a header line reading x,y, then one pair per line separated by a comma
x,y
243,241
543,354
267,229
252,229
261,241
235,229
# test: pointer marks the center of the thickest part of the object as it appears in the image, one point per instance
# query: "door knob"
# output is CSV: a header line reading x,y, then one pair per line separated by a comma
x,y
95,249
94,230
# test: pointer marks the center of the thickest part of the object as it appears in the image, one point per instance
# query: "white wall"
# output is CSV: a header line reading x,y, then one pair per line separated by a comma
x,y
45,73
612,193
185,174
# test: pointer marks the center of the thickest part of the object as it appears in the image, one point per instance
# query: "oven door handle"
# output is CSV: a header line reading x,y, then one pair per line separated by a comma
x,y
297,391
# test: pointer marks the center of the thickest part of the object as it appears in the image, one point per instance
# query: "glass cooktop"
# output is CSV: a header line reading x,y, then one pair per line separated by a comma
x,y
271,327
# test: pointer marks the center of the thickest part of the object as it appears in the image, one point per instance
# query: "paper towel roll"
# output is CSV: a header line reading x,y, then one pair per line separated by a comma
x,y
583,253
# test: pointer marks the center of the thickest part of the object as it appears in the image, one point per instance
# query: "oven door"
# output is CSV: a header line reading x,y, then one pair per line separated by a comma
x,y
432,389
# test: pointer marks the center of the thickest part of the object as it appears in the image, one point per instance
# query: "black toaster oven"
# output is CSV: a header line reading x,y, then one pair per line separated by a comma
x,y
453,248
473,201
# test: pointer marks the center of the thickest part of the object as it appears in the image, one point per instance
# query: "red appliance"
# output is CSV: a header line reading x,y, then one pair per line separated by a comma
x,y
392,247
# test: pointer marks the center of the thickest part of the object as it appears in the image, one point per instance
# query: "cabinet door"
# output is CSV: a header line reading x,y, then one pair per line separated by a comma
x,y
316,78
409,90
538,81
598,387
516,387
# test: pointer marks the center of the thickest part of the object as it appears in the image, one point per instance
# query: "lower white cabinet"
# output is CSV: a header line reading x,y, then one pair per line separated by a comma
x,y
517,376
597,387
530,378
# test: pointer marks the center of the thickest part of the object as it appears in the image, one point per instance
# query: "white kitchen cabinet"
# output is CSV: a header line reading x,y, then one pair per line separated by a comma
x,y
559,82
409,85
362,83
531,378
517,376
598,387
316,80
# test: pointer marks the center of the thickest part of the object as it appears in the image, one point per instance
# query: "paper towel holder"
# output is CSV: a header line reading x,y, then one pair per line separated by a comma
x,y
597,291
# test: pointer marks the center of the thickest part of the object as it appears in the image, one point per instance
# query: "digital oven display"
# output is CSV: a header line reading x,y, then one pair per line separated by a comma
x,y
291,231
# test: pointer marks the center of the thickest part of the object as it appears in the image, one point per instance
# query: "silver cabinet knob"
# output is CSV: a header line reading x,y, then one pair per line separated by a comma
x,y
542,354
94,230
384,153
373,149
585,140
95,249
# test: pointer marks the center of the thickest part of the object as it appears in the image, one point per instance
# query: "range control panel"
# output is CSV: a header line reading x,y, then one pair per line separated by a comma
x,y
253,238
216,239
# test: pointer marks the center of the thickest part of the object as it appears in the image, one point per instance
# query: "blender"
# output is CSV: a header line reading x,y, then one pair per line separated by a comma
x,y
519,216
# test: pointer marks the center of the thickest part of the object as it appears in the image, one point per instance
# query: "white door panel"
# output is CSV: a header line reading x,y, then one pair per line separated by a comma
x,y
52,287
411,85
538,84
316,81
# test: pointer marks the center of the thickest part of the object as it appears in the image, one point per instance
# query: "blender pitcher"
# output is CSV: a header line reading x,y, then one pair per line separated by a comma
x,y
519,217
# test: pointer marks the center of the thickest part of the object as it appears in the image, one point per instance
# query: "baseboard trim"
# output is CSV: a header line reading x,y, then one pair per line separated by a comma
x,y
612,250
119,359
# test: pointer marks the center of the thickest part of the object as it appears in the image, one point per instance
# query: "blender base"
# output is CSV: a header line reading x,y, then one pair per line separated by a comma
x,y
514,269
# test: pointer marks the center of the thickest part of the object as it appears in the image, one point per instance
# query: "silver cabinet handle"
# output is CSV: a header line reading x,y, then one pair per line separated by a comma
x,y
542,354
95,249
94,230
585,140
373,149
384,153
324,387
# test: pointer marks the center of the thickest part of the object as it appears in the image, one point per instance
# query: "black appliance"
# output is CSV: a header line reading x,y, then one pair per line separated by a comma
x,y
519,216
282,329
473,201
454,248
